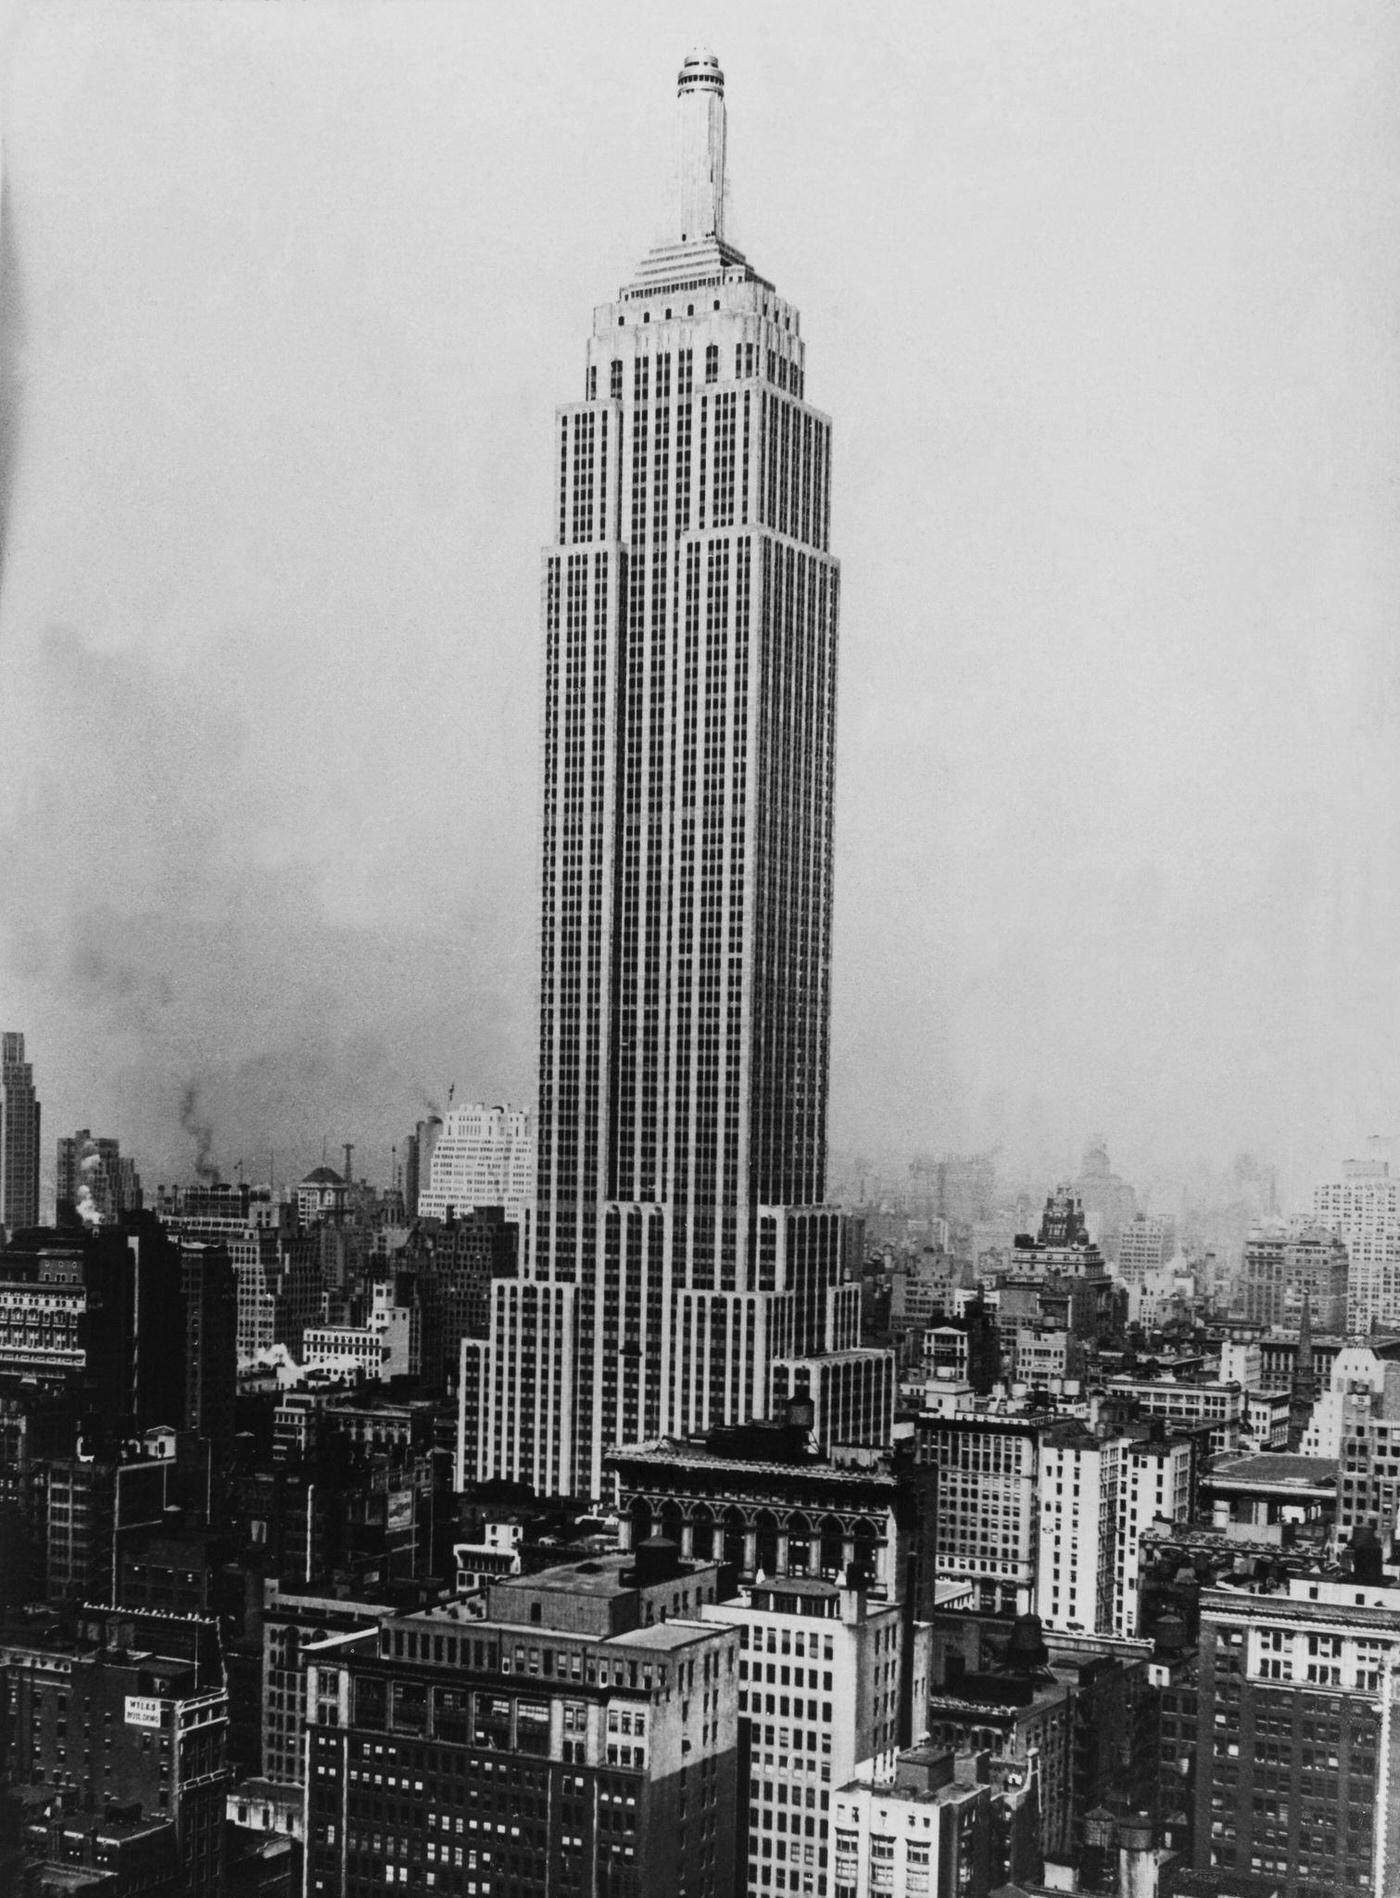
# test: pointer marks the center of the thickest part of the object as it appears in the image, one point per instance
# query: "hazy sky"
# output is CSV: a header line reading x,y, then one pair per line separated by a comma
x,y
1102,298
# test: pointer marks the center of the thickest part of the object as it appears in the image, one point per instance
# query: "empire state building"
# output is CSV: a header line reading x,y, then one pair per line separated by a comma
x,y
683,1270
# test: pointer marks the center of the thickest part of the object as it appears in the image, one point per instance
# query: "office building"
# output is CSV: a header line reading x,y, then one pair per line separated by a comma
x,y
126,1715
484,1156
581,1737
293,1619
689,598
42,1301
93,1181
209,1290
820,1669
1079,1476
19,1138
987,1531
1223,1408
1282,1269
915,1837
1076,1709
454,1263
1145,1245
1363,1209
1297,1744
418,1161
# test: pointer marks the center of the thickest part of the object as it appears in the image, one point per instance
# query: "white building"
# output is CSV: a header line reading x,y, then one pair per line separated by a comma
x,y
484,1156
904,1839
1079,1479
1154,1486
683,1240
1145,1245
1363,1207
819,1668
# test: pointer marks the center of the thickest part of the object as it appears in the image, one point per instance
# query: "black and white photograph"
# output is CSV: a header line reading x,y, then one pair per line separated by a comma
x,y
699,949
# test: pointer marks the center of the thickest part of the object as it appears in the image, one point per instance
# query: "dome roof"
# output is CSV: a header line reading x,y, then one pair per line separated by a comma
x,y
323,1176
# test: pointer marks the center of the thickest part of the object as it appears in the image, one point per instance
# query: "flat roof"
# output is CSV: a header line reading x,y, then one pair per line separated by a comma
x,y
697,1457
666,1635
1273,1469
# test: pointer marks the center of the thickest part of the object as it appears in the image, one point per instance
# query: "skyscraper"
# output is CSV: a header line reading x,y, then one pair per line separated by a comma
x,y
19,1137
689,606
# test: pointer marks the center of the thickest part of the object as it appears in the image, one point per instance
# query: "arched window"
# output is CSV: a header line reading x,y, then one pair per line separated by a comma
x,y
711,362
734,1527
799,1560
702,1533
766,1542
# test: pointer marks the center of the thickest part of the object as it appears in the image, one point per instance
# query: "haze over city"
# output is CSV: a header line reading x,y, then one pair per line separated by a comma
x,y
1100,300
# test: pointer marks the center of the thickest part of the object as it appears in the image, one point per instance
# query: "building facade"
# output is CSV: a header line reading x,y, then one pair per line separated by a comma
x,y
484,1156
1283,1269
1363,1208
93,1182
820,1669
1297,1740
582,1737
1145,1245
987,1527
689,597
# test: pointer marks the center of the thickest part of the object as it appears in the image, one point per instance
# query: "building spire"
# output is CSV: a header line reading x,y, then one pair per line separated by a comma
x,y
699,206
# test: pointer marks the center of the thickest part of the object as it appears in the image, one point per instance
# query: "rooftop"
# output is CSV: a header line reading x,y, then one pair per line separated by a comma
x,y
1273,1468
672,1453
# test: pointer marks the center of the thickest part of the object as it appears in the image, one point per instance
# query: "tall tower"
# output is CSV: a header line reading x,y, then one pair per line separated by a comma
x,y
689,606
19,1137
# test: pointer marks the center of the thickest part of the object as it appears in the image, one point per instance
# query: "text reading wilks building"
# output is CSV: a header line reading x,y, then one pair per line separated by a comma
x,y
680,1248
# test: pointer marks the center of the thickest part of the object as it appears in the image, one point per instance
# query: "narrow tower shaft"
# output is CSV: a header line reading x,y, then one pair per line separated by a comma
x,y
699,207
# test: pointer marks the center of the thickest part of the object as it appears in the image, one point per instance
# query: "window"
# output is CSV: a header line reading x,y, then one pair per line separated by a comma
x,y
712,362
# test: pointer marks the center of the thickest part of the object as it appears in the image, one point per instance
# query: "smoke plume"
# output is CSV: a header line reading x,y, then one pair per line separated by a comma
x,y
87,1208
201,1132
146,917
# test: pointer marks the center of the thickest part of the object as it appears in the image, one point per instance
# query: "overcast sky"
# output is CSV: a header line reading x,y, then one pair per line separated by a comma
x,y
1102,298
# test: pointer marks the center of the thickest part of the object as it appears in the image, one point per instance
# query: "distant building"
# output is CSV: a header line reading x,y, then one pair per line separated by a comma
x,y
43,1297
1363,1208
1282,1268
484,1156
210,1293
93,1181
323,1194
1145,1245
1108,1201
19,1138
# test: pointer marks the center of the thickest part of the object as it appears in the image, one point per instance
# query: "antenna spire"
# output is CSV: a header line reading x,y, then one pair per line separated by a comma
x,y
700,148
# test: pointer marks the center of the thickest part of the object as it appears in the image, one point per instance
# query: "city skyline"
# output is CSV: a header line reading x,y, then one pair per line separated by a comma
x,y
278,755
